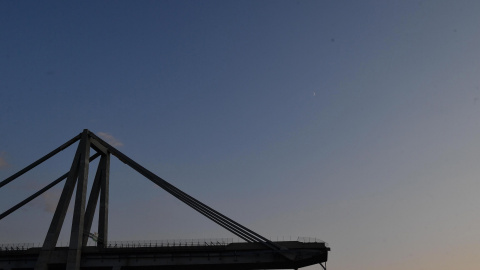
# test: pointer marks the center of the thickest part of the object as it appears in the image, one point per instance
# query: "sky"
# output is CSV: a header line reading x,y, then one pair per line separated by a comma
x,y
355,122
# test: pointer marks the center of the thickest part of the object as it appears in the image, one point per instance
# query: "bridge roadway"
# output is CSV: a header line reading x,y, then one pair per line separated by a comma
x,y
236,256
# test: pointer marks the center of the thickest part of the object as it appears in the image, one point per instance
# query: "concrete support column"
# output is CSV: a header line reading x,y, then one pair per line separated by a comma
x,y
76,236
103,211
60,212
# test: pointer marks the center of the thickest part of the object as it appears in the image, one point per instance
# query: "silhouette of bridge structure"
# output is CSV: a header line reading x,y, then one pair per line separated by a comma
x,y
257,252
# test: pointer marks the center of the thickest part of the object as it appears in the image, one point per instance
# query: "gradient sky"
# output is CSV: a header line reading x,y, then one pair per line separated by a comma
x,y
356,122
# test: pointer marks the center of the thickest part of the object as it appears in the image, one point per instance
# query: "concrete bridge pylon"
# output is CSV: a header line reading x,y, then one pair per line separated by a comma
x,y
85,206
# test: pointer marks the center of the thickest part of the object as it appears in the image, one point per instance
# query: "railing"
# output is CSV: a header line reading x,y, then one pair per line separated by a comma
x,y
157,243
311,240
17,246
171,243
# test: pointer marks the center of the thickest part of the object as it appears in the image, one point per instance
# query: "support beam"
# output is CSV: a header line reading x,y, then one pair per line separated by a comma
x,y
208,212
40,192
76,236
36,163
92,201
227,223
59,216
104,200
98,146
35,195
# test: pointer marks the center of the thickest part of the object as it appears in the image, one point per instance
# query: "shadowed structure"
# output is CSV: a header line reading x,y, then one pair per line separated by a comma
x,y
258,252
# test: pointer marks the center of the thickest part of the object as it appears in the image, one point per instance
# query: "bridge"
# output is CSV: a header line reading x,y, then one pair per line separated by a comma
x,y
257,252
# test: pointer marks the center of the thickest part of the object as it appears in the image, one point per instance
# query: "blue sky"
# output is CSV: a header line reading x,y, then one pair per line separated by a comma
x,y
354,122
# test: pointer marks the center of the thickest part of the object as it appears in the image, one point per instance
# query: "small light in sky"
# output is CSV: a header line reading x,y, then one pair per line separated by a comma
x,y
314,93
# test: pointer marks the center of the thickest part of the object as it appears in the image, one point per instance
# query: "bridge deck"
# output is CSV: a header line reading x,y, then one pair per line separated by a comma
x,y
238,256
